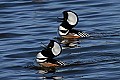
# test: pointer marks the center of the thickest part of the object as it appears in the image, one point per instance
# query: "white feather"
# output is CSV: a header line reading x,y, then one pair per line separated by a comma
x,y
83,34
63,29
40,57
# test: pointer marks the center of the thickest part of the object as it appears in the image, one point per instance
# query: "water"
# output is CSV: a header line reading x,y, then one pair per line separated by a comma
x,y
24,24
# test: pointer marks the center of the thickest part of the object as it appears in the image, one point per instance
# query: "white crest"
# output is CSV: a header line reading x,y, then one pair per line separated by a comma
x,y
72,18
40,58
56,49
63,29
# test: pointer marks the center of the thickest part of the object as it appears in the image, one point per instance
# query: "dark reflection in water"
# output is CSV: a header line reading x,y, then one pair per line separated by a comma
x,y
47,72
24,24
68,43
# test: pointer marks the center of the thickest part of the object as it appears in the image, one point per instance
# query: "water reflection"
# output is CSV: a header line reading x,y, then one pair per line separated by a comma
x,y
69,43
38,0
46,72
49,73
52,77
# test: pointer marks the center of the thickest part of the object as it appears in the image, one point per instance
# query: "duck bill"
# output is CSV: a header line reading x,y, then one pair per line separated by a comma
x,y
60,19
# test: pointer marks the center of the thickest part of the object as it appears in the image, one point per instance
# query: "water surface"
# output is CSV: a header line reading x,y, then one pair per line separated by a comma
x,y
24,24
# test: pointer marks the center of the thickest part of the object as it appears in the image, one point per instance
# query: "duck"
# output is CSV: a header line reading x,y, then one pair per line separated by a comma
x,y
45,58
69,21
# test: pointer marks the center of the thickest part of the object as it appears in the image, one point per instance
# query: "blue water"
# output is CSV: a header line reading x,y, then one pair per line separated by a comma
x,y
24,24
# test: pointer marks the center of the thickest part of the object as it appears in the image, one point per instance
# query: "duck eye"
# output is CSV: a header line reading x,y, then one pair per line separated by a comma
x,y
50,47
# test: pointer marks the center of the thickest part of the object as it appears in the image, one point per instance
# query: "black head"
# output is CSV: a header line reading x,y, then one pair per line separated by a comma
x,y
52,50
70,18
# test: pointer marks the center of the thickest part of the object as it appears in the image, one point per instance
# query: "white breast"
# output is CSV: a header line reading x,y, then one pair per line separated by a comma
x,y
66,31
62,28
40,58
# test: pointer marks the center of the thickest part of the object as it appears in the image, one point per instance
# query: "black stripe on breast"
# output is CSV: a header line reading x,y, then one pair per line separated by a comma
x,y
63,31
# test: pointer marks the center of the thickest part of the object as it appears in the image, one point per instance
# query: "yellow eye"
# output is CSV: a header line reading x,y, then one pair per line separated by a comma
x,y
50,47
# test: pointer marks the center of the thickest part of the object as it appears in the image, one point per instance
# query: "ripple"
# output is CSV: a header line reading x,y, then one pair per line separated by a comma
x,y
10,35
25,24
102,4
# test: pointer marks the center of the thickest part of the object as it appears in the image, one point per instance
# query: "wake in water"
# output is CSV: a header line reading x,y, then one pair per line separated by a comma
x,y
103,34
73,43
48,73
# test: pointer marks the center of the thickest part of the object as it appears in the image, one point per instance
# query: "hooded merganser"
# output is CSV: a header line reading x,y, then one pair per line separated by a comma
x,y
70,20
45,57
